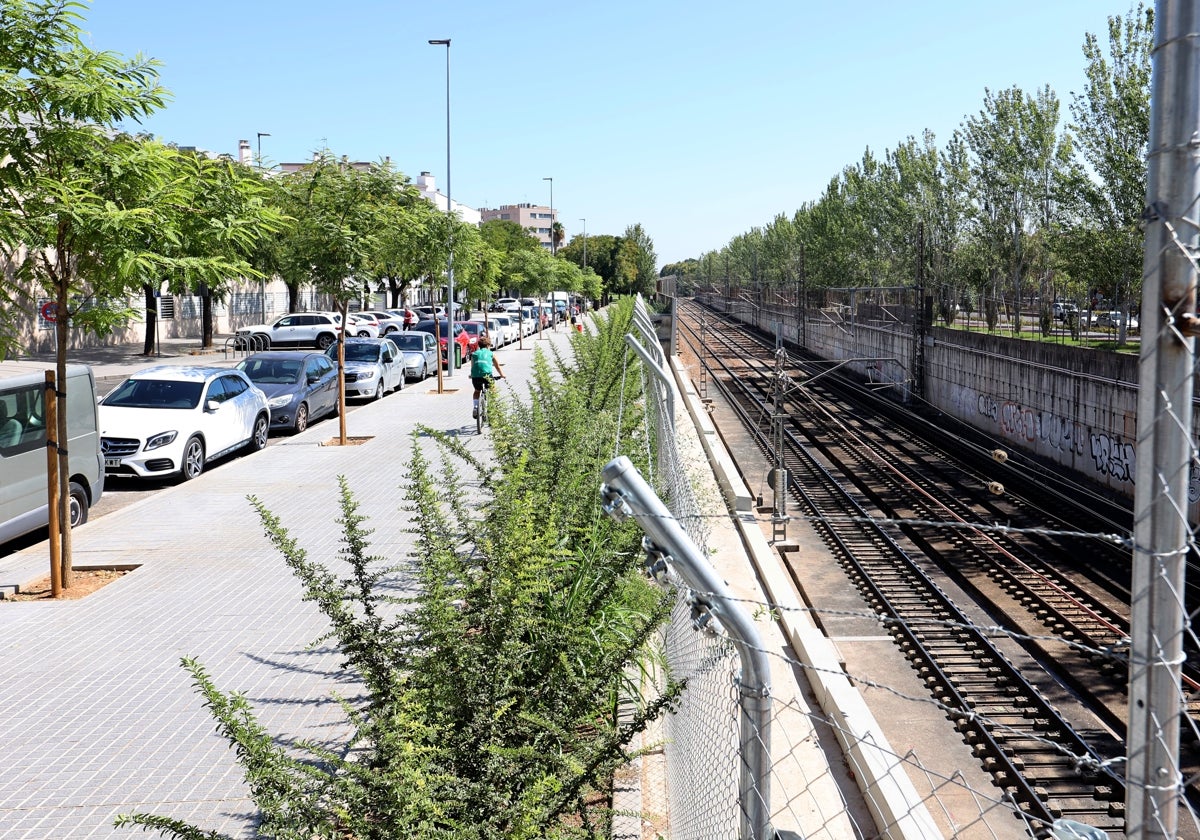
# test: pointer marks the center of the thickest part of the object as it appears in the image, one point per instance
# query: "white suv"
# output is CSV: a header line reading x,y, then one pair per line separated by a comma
x,y
298,329
175,419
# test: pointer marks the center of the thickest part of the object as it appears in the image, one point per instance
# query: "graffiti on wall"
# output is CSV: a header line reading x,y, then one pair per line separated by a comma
x,y
1042,429
1114,457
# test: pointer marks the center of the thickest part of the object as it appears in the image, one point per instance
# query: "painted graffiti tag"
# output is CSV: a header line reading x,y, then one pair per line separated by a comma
x,y
1113,456
986,406
1017,422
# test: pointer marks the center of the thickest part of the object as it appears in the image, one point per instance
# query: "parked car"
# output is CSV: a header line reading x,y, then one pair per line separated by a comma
x,y
1108,319
430,311
1061,311
407,316
373,367
176,419
23,506
361,326
509,327
387,320
420,352
298,329
508,305
440,329
474,330
495,331
529,320
300,386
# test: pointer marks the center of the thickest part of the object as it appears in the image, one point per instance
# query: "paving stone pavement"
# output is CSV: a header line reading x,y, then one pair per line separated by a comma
x,y
97,714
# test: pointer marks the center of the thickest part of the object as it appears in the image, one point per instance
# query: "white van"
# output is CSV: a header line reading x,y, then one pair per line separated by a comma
x,y
23,505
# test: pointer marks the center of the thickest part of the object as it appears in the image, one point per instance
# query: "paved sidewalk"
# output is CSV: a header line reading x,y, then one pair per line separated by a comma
x,y
98,716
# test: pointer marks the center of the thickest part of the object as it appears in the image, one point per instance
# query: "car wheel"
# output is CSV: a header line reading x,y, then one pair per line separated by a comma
x,y
379,390
258,437
193,459
424,371
364,334
301,418
324,340
78,504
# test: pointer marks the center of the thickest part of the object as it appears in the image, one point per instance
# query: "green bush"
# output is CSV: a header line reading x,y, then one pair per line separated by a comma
x,y
490,693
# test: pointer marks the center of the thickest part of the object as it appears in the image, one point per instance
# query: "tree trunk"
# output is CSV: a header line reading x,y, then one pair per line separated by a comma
x,y
206,317
152,304
61,335
293,296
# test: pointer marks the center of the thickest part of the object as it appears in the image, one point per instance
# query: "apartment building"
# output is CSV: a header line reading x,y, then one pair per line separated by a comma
x,y
533,217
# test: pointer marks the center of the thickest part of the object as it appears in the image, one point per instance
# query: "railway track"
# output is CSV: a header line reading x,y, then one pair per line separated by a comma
x,y
903,521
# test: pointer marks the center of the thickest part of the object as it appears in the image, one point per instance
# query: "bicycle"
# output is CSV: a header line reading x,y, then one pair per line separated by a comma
x,y
481,415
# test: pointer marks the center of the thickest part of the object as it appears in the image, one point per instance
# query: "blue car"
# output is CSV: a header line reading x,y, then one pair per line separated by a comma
x,y
300,386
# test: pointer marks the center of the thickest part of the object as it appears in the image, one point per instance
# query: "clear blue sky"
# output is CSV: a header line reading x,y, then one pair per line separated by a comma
x,y
697,119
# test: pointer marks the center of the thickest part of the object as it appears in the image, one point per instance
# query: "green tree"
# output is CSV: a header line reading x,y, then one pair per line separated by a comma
x,y
1018,167
530,272
1111,121
636,262
507,236
338,214
407,243
87,214
477,265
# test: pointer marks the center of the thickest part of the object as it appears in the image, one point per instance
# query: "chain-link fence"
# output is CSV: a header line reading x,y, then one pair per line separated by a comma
x,y
700,738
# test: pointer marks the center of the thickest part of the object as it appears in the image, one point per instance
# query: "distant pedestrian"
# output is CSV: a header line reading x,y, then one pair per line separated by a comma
x,y
410,318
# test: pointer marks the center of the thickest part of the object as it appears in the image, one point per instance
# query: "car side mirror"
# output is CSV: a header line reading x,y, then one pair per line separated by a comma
x,y
211,405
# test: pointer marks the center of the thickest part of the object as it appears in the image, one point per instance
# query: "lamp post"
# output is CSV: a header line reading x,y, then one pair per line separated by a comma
x,y
553,250
584,243
262,281
450,344
584,259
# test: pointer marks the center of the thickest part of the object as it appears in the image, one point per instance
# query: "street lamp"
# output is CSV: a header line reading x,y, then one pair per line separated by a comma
x,y
262,281
553,250
584,243
450,345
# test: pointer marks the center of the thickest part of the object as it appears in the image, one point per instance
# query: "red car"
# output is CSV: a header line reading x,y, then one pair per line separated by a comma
x,y
439,328
474,329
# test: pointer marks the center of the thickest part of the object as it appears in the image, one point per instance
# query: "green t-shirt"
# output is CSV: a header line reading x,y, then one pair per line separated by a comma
x,y
481,363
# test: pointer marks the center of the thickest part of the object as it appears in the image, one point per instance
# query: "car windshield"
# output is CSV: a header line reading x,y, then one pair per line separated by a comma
x,y
362,353
409,341
155,393
271,371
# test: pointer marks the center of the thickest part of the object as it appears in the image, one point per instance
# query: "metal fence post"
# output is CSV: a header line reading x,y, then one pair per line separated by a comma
x,y
1162,535
627,494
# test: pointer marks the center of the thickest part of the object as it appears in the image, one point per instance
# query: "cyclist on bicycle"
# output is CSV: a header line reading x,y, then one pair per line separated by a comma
x,y
483,364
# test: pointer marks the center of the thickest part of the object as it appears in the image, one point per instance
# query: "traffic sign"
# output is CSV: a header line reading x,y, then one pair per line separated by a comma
x,y
49,311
